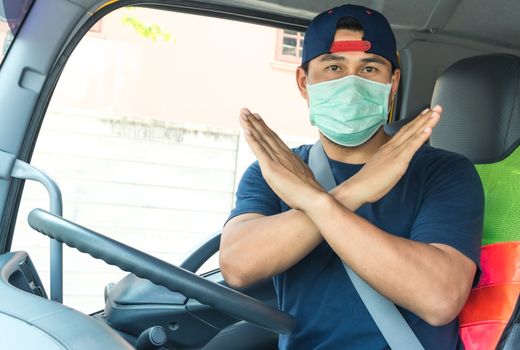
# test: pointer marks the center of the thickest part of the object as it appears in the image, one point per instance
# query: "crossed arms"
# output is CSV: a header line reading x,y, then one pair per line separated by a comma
x,y
431,280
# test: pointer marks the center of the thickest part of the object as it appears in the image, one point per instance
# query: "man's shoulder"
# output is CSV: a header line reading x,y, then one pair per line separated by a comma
x,y
436,165
302,151
430,152
437,158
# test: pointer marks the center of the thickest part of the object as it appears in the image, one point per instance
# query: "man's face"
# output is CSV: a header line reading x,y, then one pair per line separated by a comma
x,y
340,64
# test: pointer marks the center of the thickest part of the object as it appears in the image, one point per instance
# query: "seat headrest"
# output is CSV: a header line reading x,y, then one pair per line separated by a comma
x,y
481,100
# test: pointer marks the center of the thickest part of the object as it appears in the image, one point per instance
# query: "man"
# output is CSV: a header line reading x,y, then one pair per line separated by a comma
x,y
406,217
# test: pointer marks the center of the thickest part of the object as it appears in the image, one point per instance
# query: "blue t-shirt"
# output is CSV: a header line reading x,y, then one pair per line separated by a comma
x,y
438,200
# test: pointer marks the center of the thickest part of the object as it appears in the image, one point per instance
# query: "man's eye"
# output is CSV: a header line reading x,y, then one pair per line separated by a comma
x,y
334,68
369,69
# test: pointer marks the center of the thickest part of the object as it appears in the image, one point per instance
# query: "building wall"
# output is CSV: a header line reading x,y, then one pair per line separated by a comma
x,y
206,72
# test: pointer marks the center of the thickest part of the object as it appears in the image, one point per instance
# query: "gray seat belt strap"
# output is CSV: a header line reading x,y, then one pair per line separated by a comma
x,y
388,319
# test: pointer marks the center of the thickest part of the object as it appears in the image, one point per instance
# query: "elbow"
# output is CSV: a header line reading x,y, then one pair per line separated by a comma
x,y
440,318
233,279
233,274
445,309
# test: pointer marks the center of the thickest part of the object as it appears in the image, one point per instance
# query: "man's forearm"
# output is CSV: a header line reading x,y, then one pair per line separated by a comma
x,y
254,247
419,277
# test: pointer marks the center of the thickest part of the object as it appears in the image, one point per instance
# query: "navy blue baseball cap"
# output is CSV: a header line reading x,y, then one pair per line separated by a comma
x,y
378,37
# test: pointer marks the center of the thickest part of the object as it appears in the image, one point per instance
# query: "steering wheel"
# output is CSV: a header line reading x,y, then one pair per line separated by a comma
x,y
221,298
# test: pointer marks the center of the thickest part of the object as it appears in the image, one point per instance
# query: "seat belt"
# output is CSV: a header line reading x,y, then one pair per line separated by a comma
x,y
388,319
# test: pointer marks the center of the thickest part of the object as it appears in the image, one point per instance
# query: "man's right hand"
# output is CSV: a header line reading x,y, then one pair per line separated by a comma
x,y
382,172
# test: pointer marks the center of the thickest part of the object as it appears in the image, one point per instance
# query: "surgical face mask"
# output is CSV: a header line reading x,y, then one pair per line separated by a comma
x,y
350,110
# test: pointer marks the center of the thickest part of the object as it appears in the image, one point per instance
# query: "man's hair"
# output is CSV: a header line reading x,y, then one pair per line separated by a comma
x,y
349,23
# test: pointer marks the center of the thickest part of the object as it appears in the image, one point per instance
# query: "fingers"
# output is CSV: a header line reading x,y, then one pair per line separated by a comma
x,y
264,140
420,127
261,149
266,133
437,108
254,124
413,138
271,136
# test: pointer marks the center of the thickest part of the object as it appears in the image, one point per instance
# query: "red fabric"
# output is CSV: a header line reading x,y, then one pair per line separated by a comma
x,y
483,336
350,45
491,303
500,263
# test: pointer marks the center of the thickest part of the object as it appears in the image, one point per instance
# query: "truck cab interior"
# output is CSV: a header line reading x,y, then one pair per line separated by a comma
x,y
461,54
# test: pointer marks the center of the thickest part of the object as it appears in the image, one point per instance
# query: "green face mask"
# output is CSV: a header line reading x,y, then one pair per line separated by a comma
x,y
350,110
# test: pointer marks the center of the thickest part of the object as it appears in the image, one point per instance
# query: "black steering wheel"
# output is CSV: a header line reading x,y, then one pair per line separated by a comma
x,y
222,298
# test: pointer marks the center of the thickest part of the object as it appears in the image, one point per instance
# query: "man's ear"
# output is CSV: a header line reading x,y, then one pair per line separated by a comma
x,y
396,77
301,81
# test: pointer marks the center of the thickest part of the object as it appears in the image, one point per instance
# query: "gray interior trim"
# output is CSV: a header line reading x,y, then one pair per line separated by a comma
x,y
422,63
514,338
55,325
481,100
7,161
440,15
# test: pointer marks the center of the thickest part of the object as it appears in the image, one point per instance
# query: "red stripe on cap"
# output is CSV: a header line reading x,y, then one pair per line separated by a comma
x,y
350,45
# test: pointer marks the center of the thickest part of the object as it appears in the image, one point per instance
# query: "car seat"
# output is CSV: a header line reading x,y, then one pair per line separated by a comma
x,y
480,97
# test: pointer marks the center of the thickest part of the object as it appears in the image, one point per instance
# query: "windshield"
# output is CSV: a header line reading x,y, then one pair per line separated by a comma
x,y
12,14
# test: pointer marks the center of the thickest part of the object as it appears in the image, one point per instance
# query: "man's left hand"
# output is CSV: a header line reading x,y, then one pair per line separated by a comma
x,y
287,175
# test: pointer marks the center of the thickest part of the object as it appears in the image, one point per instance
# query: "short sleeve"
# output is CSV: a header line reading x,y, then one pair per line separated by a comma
x,y
254,195
452,209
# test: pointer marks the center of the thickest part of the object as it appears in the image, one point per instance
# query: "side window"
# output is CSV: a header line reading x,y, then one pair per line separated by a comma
x,y
142,136
289,46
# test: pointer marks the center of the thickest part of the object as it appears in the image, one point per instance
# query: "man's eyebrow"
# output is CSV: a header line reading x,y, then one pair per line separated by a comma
x,y
331,57
373,59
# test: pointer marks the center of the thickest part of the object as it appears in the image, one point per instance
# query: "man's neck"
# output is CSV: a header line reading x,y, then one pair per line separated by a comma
x,y
355,155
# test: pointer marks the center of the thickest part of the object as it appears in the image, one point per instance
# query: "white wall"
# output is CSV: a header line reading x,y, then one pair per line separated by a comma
x,y
155,185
